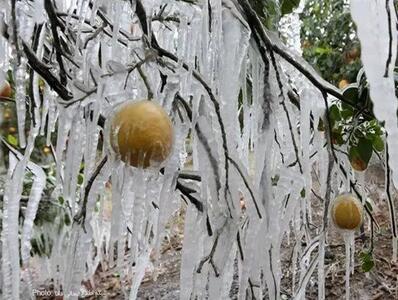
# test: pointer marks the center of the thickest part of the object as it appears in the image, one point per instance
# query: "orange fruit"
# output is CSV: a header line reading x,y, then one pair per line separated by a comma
x,y
347,212
306,44
46,150
358,164
7,115
12,130
5,90
141,133
343,83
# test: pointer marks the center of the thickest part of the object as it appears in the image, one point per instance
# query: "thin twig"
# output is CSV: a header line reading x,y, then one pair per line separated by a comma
x,y
388,192
247,186
80,218
146,82
388,62
332,158
209,258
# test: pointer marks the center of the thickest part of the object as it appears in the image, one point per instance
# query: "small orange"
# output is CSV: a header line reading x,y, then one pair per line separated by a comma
x,y
5,90
7,115
343,83
46,150
141,133
12,130
347,212
358,164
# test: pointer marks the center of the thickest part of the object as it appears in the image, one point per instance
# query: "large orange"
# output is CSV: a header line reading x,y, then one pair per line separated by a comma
x,y
347,212
141,133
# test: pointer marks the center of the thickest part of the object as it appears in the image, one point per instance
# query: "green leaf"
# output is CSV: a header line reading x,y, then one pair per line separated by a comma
x,y
360,154
367,261
12,140
334,113
274,180
368,205
347,113
321,125
80,179
365,150
10,78
378,143
322,50
337,137
350,93
67,219
288,6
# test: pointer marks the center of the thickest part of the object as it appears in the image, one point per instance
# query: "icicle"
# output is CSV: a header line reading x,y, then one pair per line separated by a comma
x,y
376,26
64,125
321,268
348,241
96,6
290,26
117,7
35,196
73,161
20,100
10,287
52,116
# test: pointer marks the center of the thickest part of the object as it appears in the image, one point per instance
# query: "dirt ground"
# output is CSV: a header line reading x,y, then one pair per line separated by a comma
x,y
380,283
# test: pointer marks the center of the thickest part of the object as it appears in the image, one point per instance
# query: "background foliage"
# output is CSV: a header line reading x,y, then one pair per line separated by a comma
x,y
329,40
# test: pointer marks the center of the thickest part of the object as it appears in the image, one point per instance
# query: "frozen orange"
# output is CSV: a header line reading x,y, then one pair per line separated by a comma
x,y
347,212
141,133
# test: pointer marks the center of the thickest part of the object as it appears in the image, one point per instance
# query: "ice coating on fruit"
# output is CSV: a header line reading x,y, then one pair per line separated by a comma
x,y
347,212
141,133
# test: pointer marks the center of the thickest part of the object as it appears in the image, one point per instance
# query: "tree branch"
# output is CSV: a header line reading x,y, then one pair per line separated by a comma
x,y
49,7
258,29
44,72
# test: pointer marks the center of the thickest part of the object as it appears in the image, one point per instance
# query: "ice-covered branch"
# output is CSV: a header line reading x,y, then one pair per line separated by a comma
x,y
142,16
14,27
390,42
41,68
49,6
44,71
80,218
389,196
273,44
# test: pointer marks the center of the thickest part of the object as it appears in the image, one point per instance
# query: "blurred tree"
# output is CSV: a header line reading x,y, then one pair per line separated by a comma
x,y
329,40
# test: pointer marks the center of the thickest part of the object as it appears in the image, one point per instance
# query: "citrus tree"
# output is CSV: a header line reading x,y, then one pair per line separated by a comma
x,y
330,42
144,107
